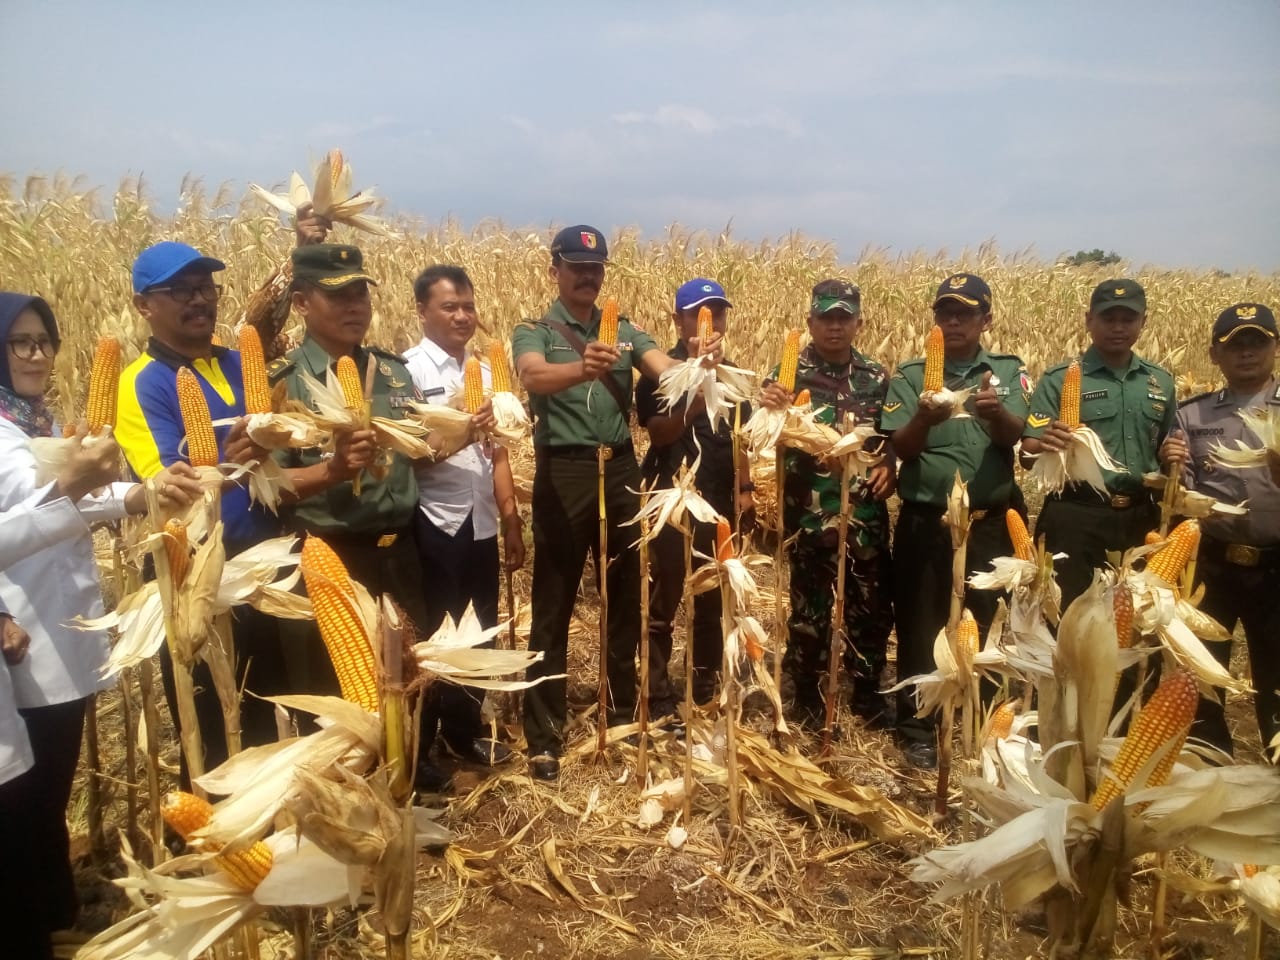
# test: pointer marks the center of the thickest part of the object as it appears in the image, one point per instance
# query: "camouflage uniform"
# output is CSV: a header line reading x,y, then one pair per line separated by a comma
x,y
811,511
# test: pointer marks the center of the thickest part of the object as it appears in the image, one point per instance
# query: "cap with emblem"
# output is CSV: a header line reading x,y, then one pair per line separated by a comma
x,y
329,266
835,295
698,291
1244,316
580,244
965,288
1118,293
165,260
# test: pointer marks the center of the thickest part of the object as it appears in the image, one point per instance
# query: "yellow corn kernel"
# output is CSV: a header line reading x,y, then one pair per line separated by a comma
x,y
1122,607
803,399
185,812
177,549
1001,724
499,371
336,164
249,867
608,331
1169,561
253,371
202,445
216,340
790,361
1023,548
329,586
1166,719
934,360
1249,869
104,382
349,381
472,385
1069,402
705,326
724,540
967,635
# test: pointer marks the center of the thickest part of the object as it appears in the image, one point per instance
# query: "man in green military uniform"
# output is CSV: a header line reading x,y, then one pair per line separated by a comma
x,y
580,394
932,446
841,381
1129,403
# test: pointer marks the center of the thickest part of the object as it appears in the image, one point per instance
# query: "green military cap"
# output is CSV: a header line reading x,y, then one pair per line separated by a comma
x,y
835,295
329,265
1118,293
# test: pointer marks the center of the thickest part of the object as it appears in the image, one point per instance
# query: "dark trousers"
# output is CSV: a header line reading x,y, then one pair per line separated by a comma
x,y
457,570
922,593
565,530
392,569
39,889
1249,596
1085,532
666,576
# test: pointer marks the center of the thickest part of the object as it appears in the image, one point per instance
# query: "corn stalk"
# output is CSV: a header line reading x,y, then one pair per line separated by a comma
x,y
642,762
837,611
730,671
958,520
779,571
602,583
687,601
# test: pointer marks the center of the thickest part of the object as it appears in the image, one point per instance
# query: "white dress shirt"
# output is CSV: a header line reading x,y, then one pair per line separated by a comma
x,y
45,590
462,486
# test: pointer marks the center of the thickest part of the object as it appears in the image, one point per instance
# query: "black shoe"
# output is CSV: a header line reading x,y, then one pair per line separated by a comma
x,y
871,707
663,708
428,778
544,766
921,754
487,753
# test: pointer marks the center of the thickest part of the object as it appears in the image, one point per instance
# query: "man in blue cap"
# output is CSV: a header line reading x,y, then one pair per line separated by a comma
x,y
680,436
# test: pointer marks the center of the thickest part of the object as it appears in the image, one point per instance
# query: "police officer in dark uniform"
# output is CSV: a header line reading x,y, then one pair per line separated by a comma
x,y
931,447
1129,403
580,394
1239,559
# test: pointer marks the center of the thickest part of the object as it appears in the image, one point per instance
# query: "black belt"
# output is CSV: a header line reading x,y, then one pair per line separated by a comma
x,y
978,513
1239,554
1086,496
370,538
585,451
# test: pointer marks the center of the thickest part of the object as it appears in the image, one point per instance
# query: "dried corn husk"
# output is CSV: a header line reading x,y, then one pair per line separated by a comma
x,y
1082,461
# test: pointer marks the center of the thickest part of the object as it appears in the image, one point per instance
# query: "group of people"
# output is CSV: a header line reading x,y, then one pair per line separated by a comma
x,y
434,533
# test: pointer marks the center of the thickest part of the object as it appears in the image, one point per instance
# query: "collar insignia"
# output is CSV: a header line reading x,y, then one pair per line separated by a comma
x,y
385,369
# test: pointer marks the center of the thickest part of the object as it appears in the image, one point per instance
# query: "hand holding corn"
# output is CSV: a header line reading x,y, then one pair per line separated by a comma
x,y
709,350
353,451
599,359
310,227
177,486
1174,452
776,397
239,447
88,467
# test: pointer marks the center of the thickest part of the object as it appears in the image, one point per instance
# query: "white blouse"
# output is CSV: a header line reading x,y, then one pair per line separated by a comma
x,y
45,590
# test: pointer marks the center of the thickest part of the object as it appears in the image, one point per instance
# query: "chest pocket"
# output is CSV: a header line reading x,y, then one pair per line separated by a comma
x,y
1098,409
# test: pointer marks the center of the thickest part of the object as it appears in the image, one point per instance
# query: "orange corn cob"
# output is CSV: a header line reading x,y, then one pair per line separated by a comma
x,y
790,360
1122,607
803,399
724,540
253,371
329,586
336,163
216,340
1169,561
177,549
499,371
104,382
934,359
1152,536
1002,721
1069,402
202,445
1166,719
608,331
472,385
967,635
705,326
349,380
1023,548
186,813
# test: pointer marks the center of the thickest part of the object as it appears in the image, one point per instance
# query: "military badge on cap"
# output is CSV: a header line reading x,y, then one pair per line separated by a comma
x,y
1244,316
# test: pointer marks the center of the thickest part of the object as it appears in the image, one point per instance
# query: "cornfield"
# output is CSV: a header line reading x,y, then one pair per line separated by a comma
x,y
74,246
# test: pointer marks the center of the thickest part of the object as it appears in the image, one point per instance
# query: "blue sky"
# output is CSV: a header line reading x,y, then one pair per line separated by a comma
x,y
1148,128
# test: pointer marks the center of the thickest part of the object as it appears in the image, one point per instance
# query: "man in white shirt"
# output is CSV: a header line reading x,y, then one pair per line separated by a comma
x,y
464,502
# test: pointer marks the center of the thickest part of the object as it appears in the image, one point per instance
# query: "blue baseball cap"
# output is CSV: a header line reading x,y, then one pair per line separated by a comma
x,y
164,260
696,292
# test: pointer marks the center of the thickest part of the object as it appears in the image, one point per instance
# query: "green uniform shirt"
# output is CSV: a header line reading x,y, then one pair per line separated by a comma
x,y
383,505
961,443
1131,411
586,413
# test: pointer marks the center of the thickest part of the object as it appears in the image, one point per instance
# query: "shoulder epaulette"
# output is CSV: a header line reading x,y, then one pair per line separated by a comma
x,y
1059,366
278,368
389,354
917,362
1198,396
526,322
1007,356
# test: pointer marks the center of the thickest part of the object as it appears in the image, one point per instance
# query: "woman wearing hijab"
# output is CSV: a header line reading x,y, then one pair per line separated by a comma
x,y
43,592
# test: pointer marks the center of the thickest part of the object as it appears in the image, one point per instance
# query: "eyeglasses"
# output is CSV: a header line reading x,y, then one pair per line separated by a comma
x,y
183,293
26,348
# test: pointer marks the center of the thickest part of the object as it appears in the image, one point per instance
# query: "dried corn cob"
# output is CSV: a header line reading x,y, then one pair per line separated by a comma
x,y
202,445
790,360
705,327
253,372
186,813
1122,607
803,398
329,586
1069,402
1249,869
724,540
104,382
1002,721
499,371
967,635
177,549
608,330
1023,548
1168,562
1166,719
336,163
934,360
472,385
349,380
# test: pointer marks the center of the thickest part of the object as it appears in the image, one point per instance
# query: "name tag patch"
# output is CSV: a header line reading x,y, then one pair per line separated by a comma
x,y
433,392
1095,395
399,402
1207,431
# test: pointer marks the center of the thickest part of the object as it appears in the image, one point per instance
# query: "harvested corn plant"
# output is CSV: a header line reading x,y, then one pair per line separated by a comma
x,y
1084,458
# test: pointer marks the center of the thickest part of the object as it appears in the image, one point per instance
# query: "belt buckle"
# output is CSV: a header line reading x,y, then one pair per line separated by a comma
x,y
606,453
1242,555
387,539
1121,501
